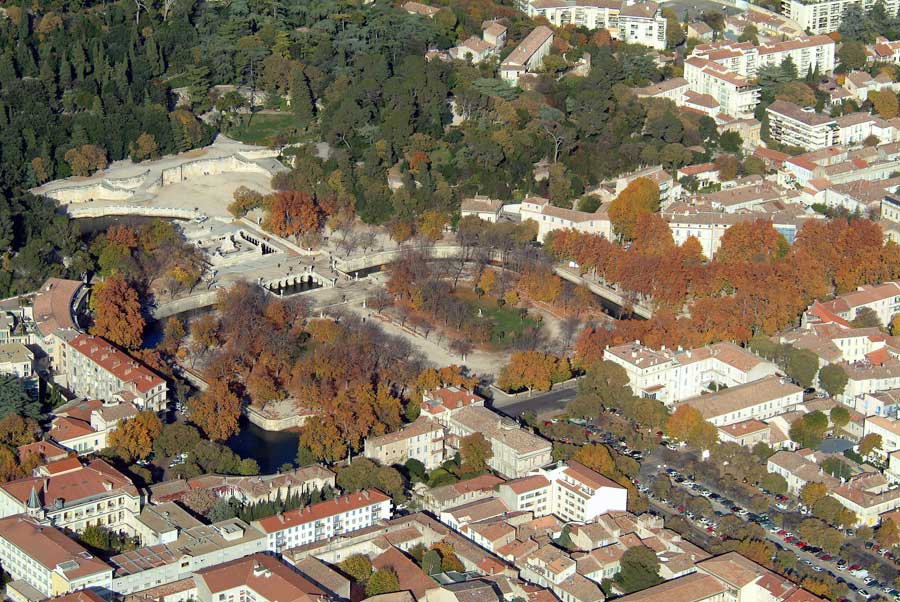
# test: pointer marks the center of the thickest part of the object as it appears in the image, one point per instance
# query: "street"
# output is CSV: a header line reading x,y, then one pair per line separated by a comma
x,y
539,403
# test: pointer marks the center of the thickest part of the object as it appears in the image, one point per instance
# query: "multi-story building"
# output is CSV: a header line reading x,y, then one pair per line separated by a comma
x,y
85,426
549,218
736,95
45,559
889,431
95,369
423,440
808,53
642,23
825,16
195,549
579,494
798,469
68,495
438,499
528,494
324,520
672,375
516,452
801,127
256,578
883,299
592,14
17,360
760,399
528,56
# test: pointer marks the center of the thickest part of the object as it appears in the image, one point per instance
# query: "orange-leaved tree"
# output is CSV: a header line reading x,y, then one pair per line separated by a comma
x,y
640,197
117,313
134,438
533,370
292,213
217,410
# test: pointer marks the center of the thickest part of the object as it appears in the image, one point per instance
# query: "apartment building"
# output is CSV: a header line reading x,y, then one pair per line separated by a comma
x,y
798,469
70,495
43,557
801,127
759,399
883,299
889,431
528,56
672,89
825,16
550,218
324,520
672,375
592,14
642,23
808,53
861,83
580,495
736,95
16,360
84,426
438,499
516,452
95,369
423,440
195,549
257,578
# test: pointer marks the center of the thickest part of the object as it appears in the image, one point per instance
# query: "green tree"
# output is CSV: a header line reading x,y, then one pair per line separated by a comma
x,y
839,415
175,438
302,103
358,476
801,365
475,451
866,318
358,567
852,55
639,569
14,399
383,581
775,483
674,32
836,468
431,562
833,379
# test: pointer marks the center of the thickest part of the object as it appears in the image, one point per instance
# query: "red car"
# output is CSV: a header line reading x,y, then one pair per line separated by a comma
x,y
826,558
791,539
854,567
782,532
800,544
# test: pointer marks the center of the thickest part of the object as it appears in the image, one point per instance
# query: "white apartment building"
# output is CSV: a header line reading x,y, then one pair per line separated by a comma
x,y
17,360
814,53
423,440
44,558
736,96
672,89
883,299
528,56
69,495
324,520
256,578
643,23
550,218
592,14
889,431
675,375
802,127
761,399
516,452
95,369
570,491
85,426
798,469
825,16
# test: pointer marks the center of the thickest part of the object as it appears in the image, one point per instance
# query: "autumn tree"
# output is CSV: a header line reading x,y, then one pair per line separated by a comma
x,y
869,443
885,103
134,438
533,370
431,224
687,424
886,535
475,451
86,159
640,197
217,410
145,147
173,334
812,492
727,166
293,213
117,313
751,241
383,581
358,567
596,457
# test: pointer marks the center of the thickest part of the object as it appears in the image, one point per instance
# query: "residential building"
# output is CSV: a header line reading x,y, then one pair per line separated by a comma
x,y
438,499
889,431
695,587
884,51
580,495
260,578
533,493
550,567
417,8
825,16
84,426
550,217
801,127
45,451
799,468
441,404
47,560
324,520
592,14
195,549
473,49
642,23
883,299
163,523
868,496
95,369
481,207
747,433
68,495
700,31
516,452
422,440
760,399
808,53
17,360
860,83
672,89
736,95
528,56
673,375
744,579
331,581
494,33
54,308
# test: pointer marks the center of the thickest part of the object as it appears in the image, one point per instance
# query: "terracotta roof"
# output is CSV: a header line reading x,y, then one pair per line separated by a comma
x,y
50,548
695,587
526,484
421,426
421,9
265,575
643,10
96,479
410,576
736,398
65,429
591,478
454,397
739,429
321,510
116,362
45,450
53,305
483,420
481,204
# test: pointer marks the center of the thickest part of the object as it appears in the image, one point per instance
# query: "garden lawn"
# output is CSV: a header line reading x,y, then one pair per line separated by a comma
x,y
506,322
264,127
